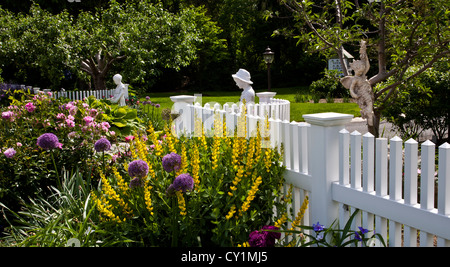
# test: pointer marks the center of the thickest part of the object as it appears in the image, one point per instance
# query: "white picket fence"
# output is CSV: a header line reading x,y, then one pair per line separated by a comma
x,y
80,95
341,171
276,109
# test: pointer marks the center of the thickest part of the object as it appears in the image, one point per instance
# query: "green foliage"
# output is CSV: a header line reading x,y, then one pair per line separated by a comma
x,y
328,86
123,119
67,214
32,170
423,104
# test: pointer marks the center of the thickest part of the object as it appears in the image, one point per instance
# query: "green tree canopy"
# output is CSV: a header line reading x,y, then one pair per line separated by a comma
x,y
399,33
142,37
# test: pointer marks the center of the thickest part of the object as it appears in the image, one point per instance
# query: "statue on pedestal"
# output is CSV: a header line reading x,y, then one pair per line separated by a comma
x,y
121,92
359,86
242,79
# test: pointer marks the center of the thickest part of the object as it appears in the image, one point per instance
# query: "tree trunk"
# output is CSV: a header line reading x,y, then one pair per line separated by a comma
x,y
99,81
375,129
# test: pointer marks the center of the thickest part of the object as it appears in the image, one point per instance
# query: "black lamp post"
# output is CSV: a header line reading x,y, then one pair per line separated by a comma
x,y
268,58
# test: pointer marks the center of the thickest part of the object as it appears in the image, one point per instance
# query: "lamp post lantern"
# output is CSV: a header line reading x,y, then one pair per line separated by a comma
x,y
268,58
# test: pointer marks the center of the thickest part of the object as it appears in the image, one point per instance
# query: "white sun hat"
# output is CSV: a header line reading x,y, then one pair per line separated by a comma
x,y
242,75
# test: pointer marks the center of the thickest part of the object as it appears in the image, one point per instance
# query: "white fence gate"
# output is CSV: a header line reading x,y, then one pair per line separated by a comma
x,y
342,171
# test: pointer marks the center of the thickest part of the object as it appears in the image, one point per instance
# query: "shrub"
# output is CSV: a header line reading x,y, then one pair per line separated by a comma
x,y
329,86
206,191
34,168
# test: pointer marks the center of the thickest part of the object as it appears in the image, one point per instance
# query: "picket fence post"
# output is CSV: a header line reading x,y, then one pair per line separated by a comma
x,y
323,140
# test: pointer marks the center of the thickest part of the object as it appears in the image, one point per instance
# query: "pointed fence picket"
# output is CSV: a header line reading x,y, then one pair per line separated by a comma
x,y
341,172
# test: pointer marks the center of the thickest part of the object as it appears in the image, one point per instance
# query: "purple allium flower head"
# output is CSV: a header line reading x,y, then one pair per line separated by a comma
x,y
135,182
102,145
264,238
171,162
48,141
183,182
9,153
138,168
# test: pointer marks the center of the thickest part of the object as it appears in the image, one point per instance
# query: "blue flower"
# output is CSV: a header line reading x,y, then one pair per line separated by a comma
x,y
357,236
318,227
362,230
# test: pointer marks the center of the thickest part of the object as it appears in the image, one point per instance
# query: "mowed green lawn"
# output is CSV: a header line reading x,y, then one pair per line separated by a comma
x,y
297,109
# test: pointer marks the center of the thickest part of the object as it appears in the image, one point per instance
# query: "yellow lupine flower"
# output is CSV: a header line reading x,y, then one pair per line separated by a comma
x,y
245,245
251,195
301,213
158,148
181,202
133,151
236,180
108,190
104,208
147,198
184,161
196,166
215,153
281,221
124,188
231,212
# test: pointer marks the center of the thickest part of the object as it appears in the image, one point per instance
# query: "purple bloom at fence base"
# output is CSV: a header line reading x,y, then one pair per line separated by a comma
x,y
171,162
48,141
138,168
264,238
102,145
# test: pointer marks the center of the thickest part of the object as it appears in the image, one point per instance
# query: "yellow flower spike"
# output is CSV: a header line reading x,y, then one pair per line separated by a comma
x,y
301,213
184,160
250,196
181,202
231,212
236,180
109,191
281,221
124,188
196,167
215,154
133,150
147,198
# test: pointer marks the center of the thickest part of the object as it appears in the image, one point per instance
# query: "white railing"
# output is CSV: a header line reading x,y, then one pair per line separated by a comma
x,y
341,171
80,95
230,114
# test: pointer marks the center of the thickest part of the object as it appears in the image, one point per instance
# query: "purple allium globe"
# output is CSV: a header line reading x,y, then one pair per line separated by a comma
x,y
102,145
135,182
183,182
171,162
264,238
48,141
138,168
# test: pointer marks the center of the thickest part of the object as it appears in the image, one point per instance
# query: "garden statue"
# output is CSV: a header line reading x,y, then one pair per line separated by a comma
x,y
242,79
121,92
359,86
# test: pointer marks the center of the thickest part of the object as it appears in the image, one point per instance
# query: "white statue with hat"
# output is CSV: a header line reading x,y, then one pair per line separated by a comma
x,y
242,79
121,92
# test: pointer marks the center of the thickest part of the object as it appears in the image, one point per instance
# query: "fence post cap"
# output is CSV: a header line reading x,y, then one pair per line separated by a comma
x,y
328,119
